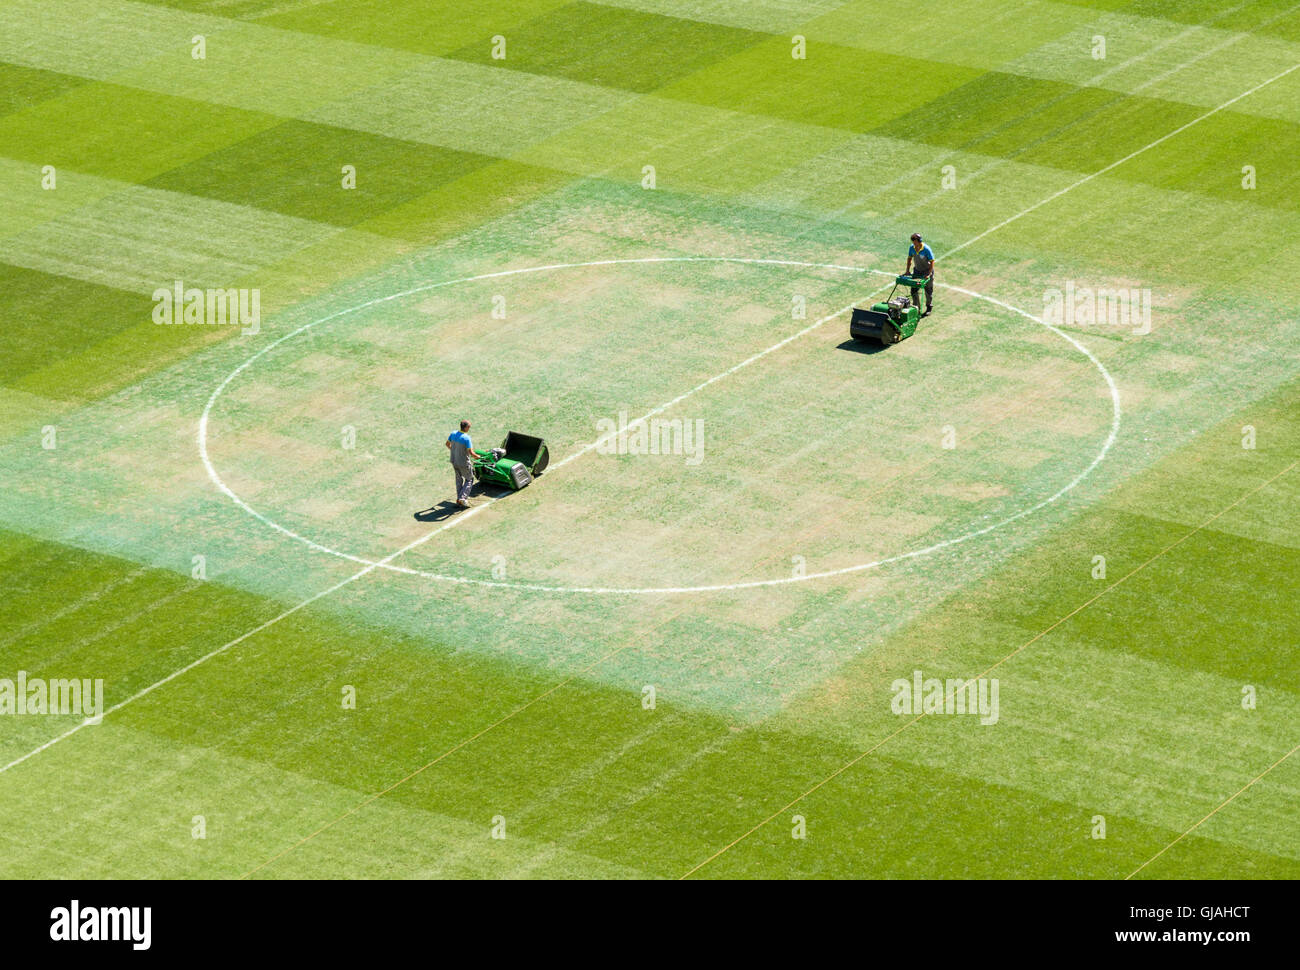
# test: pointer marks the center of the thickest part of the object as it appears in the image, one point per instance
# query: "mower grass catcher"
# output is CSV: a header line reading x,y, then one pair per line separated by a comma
x,y
890,321
519,460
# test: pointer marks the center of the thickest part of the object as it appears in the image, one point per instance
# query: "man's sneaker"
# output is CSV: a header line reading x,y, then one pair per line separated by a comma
x,y
462,504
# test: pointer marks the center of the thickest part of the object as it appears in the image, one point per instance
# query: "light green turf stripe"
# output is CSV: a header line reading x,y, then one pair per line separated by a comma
x,y
768,16
149,46
1160,743
25,203
138,239
303,76
470,107
1274,796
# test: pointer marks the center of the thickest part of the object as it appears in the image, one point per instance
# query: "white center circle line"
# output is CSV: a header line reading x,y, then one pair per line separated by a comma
x,y
215,477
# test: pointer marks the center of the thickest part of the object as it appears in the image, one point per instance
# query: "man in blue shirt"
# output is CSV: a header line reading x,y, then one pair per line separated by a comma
x,y
920,254
462,456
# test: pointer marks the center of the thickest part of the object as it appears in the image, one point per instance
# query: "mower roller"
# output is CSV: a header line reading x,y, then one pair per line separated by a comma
x,y
892,320
519,460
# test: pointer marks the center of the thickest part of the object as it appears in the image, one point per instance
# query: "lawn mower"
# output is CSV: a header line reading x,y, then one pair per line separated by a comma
x,y
891,321
519,460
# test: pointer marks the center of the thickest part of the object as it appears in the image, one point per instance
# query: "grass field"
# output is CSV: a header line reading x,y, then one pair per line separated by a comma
x,y
543,215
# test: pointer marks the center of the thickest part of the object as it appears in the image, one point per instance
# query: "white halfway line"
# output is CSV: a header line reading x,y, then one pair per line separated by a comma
x,y
367,569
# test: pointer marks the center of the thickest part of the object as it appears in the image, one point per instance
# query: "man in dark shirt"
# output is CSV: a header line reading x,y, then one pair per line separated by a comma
x,y
920,262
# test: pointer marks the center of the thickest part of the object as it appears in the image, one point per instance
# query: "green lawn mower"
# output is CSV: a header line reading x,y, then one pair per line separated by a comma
x,y
892,320
519,460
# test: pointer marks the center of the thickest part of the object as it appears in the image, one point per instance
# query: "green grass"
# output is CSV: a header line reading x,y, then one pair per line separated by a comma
x,y
266,170
86,314
476,706
614,47
75,131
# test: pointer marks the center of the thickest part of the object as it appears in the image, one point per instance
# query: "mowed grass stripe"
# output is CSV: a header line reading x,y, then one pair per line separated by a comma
x,y
718,166
1220,807
105,234
243,698
590,43
82,282
1010,656
25,87
70,612
54,317
297,169
1058,126
776,63
151,793
144,134
405,24
1197,65
1251,15
1027,43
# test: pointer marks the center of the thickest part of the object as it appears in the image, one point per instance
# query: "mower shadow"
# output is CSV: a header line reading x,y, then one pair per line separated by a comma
x,y
861,347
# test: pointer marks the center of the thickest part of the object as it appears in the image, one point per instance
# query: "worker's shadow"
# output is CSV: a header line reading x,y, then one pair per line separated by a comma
x,y
861,346
439,512
445,510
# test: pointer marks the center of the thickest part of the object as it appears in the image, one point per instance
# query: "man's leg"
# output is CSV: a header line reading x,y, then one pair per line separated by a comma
x,y
464,485
929,292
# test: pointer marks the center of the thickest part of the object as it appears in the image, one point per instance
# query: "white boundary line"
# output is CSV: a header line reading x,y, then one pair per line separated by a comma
x,y
368,569
588,448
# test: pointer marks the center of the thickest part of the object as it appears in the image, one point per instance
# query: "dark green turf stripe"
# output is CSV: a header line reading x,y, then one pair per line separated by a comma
x,y
63,599
899,820
72,613
1057,125
1223,606
24,87
296,167
68,340
837,87
48,318
615,47
487,192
